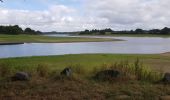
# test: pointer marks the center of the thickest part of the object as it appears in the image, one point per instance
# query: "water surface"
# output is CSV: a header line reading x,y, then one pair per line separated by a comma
x,y
132,45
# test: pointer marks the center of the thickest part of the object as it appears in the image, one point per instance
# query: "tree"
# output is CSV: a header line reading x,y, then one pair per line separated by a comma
x,y
29,31
17,29
154,31
139,31
108,30
165,30
11,29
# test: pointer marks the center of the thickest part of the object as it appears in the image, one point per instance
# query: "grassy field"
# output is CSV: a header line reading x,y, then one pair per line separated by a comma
x,y
88,61
81,86
46,39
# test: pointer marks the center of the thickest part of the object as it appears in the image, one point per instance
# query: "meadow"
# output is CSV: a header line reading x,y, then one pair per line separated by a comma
x,y
141,81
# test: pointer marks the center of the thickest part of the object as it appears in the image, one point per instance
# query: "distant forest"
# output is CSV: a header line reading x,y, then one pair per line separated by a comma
x,y
14,30
163,31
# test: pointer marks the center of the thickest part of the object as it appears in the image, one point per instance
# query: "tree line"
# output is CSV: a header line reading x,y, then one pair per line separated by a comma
x,y
15,29
163,31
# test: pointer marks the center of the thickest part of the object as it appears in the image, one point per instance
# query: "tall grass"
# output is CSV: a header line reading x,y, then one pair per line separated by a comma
x,y
132,71
42,70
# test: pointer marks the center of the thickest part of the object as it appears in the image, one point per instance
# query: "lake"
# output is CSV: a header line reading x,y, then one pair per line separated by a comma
x,y
131,45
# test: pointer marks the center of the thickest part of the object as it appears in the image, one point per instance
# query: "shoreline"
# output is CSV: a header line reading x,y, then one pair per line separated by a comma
x,y
130,35
161,54
165,54
11,43
20,39
17,43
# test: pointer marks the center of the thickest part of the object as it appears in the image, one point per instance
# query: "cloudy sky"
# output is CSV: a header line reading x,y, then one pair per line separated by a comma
x,y
76,15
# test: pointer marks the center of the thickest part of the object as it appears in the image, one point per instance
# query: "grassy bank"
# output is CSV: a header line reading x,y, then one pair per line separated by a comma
x,y
46,39
46,84
88,61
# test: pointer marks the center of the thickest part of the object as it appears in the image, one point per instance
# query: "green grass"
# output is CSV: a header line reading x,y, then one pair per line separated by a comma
x,y
46,84
156,62
46,39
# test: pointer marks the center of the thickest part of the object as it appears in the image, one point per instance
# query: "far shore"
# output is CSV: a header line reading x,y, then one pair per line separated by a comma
x,y
11,43
130,35
165,54
21,39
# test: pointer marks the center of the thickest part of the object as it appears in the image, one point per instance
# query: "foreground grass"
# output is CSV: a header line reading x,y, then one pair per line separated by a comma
x,y
46,39
89,61
81,86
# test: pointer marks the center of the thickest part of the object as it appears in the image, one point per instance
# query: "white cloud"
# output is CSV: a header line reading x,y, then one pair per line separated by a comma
x,y
116,14
55,15
129,14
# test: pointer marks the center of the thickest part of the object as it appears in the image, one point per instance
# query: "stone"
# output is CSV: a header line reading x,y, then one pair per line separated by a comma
x,y
21,76
66,72
107,74
166,78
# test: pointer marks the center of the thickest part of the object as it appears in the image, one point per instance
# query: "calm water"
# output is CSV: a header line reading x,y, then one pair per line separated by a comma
x,y
132,45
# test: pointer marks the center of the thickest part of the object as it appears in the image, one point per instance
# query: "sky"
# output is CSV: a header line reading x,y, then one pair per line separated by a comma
x,y
78,15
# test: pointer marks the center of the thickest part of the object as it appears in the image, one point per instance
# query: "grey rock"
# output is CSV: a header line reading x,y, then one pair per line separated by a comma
x,y
66,72
21,76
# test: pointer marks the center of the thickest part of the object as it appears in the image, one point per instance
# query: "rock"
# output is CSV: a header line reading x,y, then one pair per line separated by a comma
x,y
66,72
107,74
21,76
166,78
165,97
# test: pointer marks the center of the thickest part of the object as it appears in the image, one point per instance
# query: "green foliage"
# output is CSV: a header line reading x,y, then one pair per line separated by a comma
x,y
95,31
14,30
145,73
137,31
